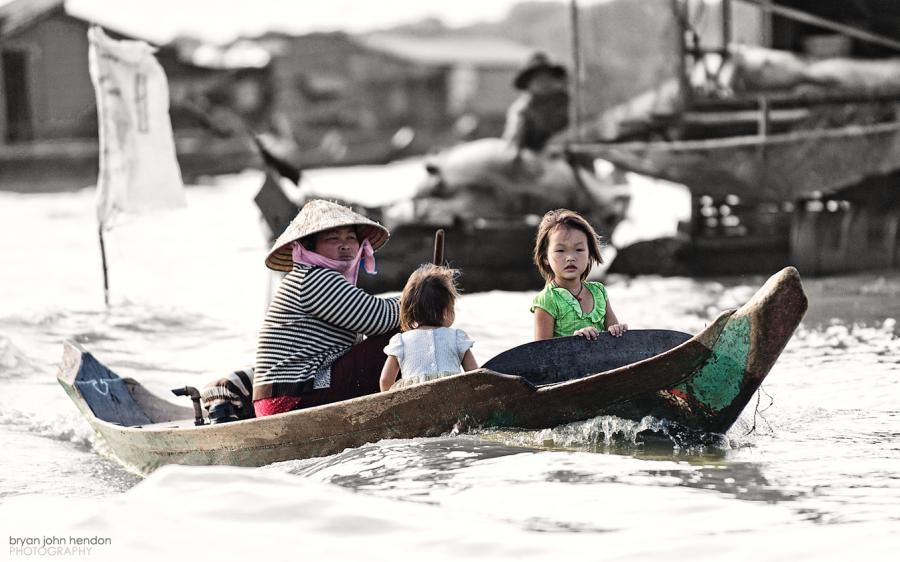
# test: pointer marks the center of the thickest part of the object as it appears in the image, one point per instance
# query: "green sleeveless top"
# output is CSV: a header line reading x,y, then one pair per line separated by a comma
x,y
564,308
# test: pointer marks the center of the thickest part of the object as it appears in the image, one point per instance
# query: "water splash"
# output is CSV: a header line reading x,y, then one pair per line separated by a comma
x,y
13,361
611,434
70,428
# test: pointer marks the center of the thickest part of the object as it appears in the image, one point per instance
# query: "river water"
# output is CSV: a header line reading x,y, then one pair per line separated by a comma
x,y
809,472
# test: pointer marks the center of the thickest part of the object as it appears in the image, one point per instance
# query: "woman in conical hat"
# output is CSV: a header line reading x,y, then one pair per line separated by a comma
x,y
311,349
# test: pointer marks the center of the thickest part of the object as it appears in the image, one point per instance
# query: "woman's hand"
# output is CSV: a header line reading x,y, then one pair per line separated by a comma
x,y
616,330
590,333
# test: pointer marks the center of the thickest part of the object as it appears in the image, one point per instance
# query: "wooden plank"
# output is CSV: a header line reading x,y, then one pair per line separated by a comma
x,y
710,118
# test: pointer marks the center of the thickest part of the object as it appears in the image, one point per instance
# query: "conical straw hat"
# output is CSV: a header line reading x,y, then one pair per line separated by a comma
x,y
318,215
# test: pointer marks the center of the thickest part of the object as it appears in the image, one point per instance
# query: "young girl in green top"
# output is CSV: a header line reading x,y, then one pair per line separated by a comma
x,y
565,248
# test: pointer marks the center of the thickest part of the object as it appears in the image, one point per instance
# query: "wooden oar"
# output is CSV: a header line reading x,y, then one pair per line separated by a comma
x,y
438,247
276,162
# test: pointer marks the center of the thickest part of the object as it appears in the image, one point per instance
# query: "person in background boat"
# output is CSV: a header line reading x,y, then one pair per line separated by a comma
x,y
542,109
427,348
311,349
565,248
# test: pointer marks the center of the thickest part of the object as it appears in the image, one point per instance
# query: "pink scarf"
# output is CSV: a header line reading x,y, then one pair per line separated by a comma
x,y
349,269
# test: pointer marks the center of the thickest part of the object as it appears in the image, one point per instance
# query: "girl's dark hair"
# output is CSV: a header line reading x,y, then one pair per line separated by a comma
x,y
429,293
566,219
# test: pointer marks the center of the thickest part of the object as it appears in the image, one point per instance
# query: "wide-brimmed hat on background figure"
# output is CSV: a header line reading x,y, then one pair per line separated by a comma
x,y
316,216
539,62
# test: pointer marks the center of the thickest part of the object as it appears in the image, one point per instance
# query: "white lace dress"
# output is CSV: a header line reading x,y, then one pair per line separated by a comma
x,y
428,353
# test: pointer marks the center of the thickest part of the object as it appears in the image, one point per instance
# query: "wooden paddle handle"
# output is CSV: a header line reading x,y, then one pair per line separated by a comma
x,y
438,247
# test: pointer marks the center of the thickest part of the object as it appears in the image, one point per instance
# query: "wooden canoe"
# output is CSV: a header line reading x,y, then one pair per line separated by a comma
x,y
715,372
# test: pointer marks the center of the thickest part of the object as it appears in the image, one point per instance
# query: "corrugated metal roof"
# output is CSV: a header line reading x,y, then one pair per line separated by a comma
x,y
21,13
450,50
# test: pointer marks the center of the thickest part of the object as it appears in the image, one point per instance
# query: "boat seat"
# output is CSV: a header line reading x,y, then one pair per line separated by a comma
x,y
174,424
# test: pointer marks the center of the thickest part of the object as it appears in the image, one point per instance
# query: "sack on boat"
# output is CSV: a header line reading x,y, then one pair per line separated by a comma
x,y
229,398
483,179
759,68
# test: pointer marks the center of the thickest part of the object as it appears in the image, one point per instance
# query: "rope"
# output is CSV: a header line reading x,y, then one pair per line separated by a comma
x,y
758,413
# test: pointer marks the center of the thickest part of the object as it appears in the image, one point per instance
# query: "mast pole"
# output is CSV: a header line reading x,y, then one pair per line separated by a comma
x,y
681,14
576,66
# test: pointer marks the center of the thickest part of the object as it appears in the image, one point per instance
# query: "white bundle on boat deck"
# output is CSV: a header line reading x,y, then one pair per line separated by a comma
x,y
761,68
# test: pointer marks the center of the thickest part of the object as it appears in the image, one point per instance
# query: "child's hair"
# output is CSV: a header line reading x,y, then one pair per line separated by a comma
x,y
429,293
568,219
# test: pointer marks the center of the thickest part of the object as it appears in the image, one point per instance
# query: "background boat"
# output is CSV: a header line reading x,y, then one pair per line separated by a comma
x,y
488,205
774,115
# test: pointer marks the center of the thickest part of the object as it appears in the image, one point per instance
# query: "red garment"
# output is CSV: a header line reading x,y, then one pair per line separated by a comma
x,y
356,373
275,405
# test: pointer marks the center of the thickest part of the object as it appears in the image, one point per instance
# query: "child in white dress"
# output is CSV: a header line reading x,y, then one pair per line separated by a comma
x,y
427,348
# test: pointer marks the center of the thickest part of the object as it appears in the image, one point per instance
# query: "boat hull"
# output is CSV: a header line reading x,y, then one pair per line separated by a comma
x,y
478,398
718,369
712,398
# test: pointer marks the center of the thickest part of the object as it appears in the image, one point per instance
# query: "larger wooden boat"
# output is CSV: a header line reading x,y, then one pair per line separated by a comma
x,y
712,376
779,167
777,119
782,118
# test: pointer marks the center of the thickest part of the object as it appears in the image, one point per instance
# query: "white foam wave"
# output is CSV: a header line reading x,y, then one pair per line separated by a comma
x,y
179,513
70,427
13,361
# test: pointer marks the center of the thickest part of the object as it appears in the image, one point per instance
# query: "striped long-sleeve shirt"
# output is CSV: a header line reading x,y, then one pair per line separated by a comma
x,y
315,317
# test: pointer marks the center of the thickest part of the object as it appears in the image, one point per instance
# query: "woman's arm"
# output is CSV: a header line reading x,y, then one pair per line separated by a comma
x,y
389,373
468,362
328,296
543,324
515,121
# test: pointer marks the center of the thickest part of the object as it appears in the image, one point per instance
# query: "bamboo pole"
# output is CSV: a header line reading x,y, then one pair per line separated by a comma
x,y
105,270
576,66
726,26
685,94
